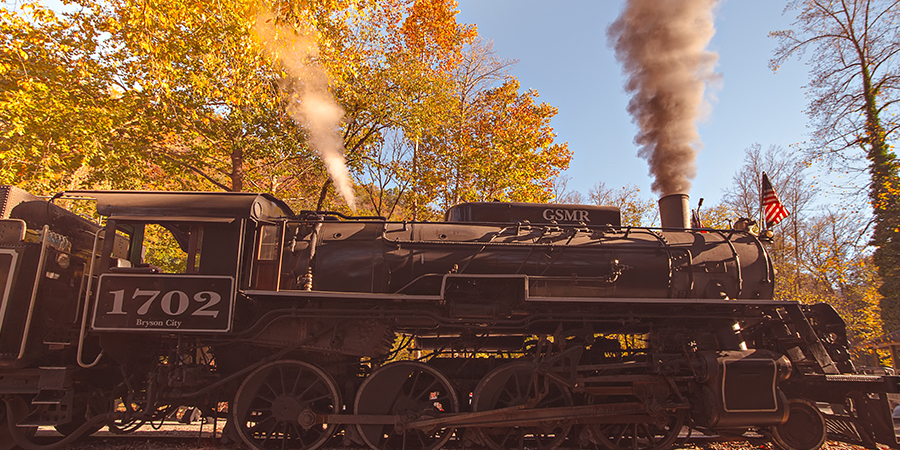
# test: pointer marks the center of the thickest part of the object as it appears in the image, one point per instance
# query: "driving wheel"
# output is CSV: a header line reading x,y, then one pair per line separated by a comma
x,y
647,435
514,385
413,391
271,403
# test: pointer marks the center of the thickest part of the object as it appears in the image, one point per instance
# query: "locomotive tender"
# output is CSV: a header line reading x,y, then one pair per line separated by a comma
x,y
505,326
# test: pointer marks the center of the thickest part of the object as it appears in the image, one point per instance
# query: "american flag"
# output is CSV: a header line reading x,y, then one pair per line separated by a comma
x,y
774,209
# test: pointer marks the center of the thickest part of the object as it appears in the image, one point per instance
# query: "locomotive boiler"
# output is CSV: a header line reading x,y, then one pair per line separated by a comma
x,y
505,326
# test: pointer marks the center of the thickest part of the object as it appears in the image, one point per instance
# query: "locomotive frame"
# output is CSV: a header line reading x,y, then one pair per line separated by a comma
x,y
505,326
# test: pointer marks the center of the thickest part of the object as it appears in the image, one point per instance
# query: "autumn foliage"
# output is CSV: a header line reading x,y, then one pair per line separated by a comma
x,y
183,95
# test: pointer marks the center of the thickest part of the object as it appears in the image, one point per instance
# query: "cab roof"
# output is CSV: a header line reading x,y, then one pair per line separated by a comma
x,y
181,206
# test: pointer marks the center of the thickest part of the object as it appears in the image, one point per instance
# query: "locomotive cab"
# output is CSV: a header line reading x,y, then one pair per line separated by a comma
x,y
187,256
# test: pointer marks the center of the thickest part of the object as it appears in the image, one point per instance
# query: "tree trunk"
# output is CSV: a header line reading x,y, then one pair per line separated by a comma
x,y
886,210
237,169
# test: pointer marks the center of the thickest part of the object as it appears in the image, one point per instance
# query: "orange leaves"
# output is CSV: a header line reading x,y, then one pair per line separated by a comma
x,y
424,31
430,30
177,93
505,147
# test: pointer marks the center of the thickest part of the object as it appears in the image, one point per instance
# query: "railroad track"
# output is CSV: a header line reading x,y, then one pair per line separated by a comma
x,y
191,437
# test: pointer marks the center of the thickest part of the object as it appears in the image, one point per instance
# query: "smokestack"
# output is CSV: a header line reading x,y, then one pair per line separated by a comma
x,y
675,211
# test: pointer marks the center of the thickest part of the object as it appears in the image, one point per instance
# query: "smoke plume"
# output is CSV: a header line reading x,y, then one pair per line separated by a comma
x,y
310,101
661,45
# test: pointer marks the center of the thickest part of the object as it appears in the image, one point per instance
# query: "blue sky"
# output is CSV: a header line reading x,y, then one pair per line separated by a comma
x,y
563,53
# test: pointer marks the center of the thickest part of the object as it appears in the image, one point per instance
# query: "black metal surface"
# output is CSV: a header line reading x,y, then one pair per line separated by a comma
x,y
175,205
509,326
503,212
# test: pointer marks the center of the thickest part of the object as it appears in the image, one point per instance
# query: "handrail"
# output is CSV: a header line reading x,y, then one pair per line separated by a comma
x,y
34,290
84,312
305,214
737,262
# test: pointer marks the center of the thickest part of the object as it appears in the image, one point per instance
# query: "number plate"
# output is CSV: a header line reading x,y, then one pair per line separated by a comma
x,y
169,303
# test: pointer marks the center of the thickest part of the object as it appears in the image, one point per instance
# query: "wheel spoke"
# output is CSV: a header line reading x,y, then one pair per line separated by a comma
x,y
308,388
426,392
620,434
640,435
259,424
514,385
634,439
413,383
281,381
300,433
506,396
266,406
321,397
517,386
650,434
415,380
271,431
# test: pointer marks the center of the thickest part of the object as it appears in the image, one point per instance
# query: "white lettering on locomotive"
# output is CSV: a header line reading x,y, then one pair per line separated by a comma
x,y
567,215
149,323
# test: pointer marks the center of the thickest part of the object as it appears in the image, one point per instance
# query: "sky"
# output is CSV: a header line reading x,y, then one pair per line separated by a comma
x,y
563,54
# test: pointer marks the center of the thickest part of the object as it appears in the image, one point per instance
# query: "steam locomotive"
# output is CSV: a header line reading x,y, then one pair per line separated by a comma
x,y
505,326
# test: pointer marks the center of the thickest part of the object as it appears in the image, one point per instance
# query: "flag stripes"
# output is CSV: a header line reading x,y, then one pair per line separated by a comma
x,y
774,210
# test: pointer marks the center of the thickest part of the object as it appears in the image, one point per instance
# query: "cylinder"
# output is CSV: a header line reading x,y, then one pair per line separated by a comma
x,y
674,211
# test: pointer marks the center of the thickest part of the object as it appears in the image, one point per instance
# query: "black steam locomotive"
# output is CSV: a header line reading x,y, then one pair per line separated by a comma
x,y
506,326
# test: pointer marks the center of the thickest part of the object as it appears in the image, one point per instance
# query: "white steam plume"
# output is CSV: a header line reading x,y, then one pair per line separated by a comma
x,y
661,45
310,101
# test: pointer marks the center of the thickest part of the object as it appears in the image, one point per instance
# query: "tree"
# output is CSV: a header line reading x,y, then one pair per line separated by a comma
x,y
212,108
787,172
129,94
61,107
495,143
383,189
562,195
836,268
186,95
853,87
819,257
467,134
505,150
719,216
636,211
396,83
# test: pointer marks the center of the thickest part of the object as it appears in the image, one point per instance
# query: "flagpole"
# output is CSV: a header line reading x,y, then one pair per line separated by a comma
x,y
762,217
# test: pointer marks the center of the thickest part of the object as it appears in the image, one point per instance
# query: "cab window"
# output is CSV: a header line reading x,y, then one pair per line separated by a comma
x,y
268,252
163,248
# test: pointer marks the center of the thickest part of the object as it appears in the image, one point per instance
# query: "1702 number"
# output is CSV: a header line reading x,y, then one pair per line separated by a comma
x,y
172,303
